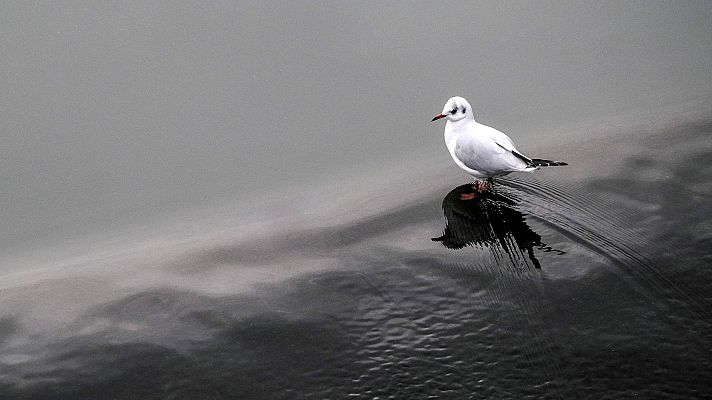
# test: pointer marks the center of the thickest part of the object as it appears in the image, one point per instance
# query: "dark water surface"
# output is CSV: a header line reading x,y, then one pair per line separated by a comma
x,y
590,281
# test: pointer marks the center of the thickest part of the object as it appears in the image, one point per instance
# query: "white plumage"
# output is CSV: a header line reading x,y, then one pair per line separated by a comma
x,y
480,150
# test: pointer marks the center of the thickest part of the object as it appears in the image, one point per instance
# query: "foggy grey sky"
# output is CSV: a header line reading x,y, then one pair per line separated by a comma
x,y
113,110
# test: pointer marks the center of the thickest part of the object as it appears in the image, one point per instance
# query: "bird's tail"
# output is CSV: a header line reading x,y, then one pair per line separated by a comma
x,y
539,162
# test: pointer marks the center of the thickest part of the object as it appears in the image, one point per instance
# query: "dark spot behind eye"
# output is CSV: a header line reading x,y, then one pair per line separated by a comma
x,y
464,110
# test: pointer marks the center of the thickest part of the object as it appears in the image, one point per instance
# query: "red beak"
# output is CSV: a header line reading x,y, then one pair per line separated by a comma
x,y
437,117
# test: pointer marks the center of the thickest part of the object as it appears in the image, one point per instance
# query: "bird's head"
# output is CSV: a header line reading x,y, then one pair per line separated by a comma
x,y
456,109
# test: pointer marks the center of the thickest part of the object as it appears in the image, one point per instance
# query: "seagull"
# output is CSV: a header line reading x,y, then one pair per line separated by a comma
x,y
480,150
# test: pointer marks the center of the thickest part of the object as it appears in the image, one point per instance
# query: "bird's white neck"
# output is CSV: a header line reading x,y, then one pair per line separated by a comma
x,y
454,128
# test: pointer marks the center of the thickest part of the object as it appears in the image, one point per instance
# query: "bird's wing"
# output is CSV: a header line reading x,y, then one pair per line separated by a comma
x,y
516,154
483,153
505,143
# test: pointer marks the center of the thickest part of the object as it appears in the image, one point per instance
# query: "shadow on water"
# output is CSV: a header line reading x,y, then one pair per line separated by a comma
x,y
490,220
619,312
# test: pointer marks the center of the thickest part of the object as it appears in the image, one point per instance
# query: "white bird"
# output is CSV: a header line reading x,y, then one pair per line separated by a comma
x,y
480,150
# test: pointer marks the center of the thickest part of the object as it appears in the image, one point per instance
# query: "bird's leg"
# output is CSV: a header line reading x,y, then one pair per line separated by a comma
x,y
480,186
476,189
488,184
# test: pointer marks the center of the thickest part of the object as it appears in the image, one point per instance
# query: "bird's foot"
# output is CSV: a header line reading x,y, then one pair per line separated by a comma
x,y
481,186
468,196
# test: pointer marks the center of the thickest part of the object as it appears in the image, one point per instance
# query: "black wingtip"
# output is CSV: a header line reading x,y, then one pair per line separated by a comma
x,y
539,162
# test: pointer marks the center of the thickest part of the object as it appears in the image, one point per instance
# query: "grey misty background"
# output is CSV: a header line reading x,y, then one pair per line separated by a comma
x,y
113,112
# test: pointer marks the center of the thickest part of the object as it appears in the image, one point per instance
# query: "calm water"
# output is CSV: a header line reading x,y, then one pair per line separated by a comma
x,y
246,200
588,281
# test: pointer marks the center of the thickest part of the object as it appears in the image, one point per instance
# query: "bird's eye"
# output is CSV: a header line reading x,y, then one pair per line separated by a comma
x,y
454,110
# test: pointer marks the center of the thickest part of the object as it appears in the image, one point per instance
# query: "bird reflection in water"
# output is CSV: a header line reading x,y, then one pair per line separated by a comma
x,y
490,219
